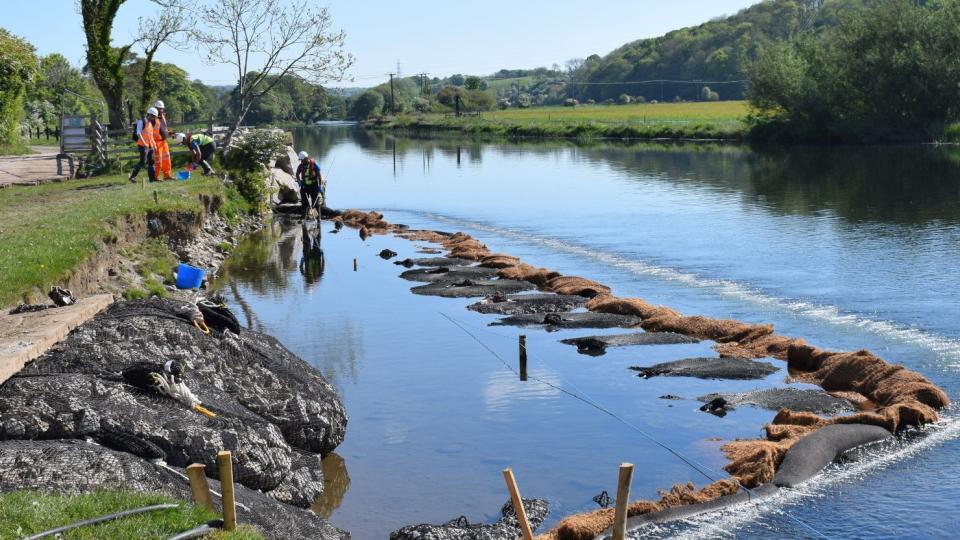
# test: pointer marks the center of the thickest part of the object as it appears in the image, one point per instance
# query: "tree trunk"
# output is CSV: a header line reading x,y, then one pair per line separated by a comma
x,y
115,108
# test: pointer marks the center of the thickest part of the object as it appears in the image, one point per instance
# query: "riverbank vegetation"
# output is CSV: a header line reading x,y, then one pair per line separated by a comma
x,y
703,120
47,231
887,71
24,513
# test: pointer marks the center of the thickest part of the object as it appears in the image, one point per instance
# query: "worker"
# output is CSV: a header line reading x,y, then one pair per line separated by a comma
x,y
162,158
143,133
201,148
310,181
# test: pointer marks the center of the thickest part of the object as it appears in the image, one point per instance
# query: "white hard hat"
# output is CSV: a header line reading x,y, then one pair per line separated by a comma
x,y
159,105
303,155
180,137
153,111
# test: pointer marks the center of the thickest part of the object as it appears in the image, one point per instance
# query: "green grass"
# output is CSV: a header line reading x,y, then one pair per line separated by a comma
x,y
47,230
506,84
694,120
23,513
14,149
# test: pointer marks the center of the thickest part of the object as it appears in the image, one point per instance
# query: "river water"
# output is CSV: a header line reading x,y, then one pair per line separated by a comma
x,y
848,248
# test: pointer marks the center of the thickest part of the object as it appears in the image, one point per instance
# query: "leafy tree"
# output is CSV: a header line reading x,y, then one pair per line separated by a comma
x,y
368,104
472,83
887,71
457,80
105,62
18,65
58,84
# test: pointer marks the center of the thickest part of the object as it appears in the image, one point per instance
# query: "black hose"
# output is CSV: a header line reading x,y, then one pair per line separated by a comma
x,y
101,519
197,532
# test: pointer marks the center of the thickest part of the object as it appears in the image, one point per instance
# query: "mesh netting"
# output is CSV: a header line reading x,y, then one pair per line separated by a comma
x,y
507,528
274,412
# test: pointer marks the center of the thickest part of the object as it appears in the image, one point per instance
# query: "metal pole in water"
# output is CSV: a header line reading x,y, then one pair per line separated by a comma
x,y
523,358
354,264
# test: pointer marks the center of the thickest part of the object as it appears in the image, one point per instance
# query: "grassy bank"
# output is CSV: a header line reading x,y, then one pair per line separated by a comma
x,y
24,513
46,231
697,120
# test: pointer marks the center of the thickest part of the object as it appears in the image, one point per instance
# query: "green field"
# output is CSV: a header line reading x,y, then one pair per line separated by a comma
x,y
724,112
693,120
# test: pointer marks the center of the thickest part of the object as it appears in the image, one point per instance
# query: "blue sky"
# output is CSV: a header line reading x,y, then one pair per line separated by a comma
x,y
439,38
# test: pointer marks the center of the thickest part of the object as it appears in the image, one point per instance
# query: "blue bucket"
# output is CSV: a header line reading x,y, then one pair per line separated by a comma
x,y
183,175
189,277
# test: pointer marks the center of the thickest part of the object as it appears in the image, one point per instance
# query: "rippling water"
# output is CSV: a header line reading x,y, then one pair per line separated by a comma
x,y
848,248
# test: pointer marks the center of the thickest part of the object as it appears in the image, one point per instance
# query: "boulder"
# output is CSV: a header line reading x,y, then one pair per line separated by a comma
x,y
274,411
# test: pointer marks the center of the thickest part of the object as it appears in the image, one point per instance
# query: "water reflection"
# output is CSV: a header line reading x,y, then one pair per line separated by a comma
x,y
336,482
894,184
312,262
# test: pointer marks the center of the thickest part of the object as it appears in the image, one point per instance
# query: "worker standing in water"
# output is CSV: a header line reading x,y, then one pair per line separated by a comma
x,y
164,168
143,133
311,183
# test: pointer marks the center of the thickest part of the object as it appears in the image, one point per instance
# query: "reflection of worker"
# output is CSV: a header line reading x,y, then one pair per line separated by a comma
x,y
311,264
310,180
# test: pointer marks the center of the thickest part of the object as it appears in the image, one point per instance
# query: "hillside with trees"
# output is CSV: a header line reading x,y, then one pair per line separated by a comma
x,y
718,50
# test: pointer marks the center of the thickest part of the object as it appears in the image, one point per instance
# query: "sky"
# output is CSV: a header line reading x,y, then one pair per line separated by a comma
x,y
437,38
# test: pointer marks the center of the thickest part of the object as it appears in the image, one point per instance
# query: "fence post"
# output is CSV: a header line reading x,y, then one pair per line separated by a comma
x,y
623,498
210,127
523,358
225,462
521,512
198,484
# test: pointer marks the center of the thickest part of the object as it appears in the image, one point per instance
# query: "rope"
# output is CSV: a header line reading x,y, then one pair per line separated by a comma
x,y
693,464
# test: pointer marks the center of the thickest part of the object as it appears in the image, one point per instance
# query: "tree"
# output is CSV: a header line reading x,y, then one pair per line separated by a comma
x,y
887,72
368,104
171,23
265,40
472,83
457,80
18,64
105,62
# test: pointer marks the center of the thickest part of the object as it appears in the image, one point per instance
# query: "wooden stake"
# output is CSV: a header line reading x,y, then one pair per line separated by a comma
x,y
518,504
156,198
623,498
523,358
354,264
225,462
198,484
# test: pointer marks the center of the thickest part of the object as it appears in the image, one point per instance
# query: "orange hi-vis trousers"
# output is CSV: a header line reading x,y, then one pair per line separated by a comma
x,y
162,160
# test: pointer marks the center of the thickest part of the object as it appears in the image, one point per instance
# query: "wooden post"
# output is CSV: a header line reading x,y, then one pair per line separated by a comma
x,y
523,358
198,484
224,461
623,498
156,197
518,504
354,264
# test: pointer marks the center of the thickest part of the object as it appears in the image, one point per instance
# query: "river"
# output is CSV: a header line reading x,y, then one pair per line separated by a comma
x,y
848,248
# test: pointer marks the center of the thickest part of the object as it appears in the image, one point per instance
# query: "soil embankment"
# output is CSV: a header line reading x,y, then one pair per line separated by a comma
x,y
888,398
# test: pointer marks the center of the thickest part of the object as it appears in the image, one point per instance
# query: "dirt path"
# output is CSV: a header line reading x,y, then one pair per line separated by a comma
x,y
26,336
31,169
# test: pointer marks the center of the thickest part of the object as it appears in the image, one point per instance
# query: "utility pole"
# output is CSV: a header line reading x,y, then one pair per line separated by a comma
x,y
393,107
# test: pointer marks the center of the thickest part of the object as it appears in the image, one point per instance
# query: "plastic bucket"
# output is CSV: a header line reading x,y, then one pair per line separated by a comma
x,y
189,277
183,175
